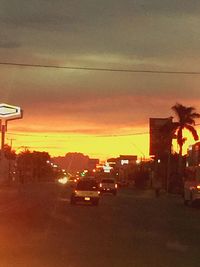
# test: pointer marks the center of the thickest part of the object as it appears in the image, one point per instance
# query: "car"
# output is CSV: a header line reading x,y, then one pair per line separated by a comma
x,y
108,185
191,192
87,191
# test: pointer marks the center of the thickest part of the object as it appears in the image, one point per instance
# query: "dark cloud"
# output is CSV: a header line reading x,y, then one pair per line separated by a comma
x,y
130,34
91,8
89,12
140,28
9,45
37,14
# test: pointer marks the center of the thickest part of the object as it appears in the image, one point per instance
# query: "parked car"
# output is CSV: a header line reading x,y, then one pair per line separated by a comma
x,y
108,185
86,190
192,185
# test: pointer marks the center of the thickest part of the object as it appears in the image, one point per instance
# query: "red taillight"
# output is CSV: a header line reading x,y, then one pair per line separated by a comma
x,y
115,185
192,187
100,185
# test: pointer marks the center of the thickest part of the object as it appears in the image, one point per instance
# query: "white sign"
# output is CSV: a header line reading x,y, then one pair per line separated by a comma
x,y
107,168
124,161
8,112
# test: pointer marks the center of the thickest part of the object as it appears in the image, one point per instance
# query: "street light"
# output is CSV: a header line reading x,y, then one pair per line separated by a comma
x,y
7,113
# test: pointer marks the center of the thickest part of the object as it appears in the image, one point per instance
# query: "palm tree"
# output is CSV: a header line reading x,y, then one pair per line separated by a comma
x,y
186,120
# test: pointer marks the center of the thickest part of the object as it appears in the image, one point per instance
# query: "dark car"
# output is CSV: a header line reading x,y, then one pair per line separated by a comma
x,y
108,185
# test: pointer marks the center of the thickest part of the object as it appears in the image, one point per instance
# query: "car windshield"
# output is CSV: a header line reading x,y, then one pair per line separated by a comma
x,y
87,185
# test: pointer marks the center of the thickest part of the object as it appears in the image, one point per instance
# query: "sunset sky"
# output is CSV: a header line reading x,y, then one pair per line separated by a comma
x,y
98,113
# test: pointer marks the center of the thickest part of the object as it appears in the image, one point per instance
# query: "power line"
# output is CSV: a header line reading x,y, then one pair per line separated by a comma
x,y
99,69
103,135
122,135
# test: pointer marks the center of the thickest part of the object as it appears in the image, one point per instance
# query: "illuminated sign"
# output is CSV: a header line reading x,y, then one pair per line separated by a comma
x,y
124,161
107,168
8,112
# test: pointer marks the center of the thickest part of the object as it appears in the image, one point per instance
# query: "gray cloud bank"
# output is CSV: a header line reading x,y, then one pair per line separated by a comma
x,y
140,28
141,34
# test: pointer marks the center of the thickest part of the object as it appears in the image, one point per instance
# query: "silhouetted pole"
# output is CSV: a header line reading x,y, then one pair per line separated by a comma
x,y
168,171
169,152
11,142
3,130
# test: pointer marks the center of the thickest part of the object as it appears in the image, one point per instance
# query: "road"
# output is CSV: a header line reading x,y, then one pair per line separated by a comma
x,y
39,228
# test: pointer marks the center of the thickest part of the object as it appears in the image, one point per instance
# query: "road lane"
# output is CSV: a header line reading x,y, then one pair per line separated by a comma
x,y
132,229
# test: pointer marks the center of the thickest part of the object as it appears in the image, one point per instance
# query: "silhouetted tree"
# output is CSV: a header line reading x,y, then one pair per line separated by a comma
x,y
186,120
33,166
9,153
73,162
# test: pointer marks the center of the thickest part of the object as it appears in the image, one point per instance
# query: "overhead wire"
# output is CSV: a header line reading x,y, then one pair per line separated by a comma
x,y
150,71
67,135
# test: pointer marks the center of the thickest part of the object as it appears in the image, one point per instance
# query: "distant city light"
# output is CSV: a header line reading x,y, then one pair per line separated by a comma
x,y
138,161
190,148
107,168
124,161
63,180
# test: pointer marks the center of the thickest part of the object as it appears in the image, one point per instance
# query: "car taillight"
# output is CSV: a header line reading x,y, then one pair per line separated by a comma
x,y
115,185
100,185
192,187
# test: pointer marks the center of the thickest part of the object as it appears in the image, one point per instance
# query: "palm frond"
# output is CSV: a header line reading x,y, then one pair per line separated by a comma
x,y
193,131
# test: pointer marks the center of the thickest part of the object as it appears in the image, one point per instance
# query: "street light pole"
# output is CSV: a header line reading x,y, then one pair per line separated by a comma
x,y
3,130
7,113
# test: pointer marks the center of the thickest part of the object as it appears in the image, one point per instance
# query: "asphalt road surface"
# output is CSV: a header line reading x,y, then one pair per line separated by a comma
x,y
39,228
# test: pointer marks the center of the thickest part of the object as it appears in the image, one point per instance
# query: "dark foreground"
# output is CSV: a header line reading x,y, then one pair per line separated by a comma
x,y
39,228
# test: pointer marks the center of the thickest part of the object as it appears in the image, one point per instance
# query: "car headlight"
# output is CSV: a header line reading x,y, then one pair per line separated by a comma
x,y
63,180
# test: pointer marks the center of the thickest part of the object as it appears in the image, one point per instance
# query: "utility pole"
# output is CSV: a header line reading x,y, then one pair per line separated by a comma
x,y
11,142
9,159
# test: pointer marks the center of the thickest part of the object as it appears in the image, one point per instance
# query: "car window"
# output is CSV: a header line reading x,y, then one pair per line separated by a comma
x,y
87,185
108,181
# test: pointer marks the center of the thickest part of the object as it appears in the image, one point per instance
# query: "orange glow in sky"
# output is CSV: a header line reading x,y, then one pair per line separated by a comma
x,y
102,146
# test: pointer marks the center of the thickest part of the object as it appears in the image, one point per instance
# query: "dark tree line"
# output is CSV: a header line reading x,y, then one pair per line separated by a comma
x,y
34,167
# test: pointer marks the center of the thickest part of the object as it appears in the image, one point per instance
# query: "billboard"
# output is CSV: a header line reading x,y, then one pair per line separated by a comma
x,y
160,141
